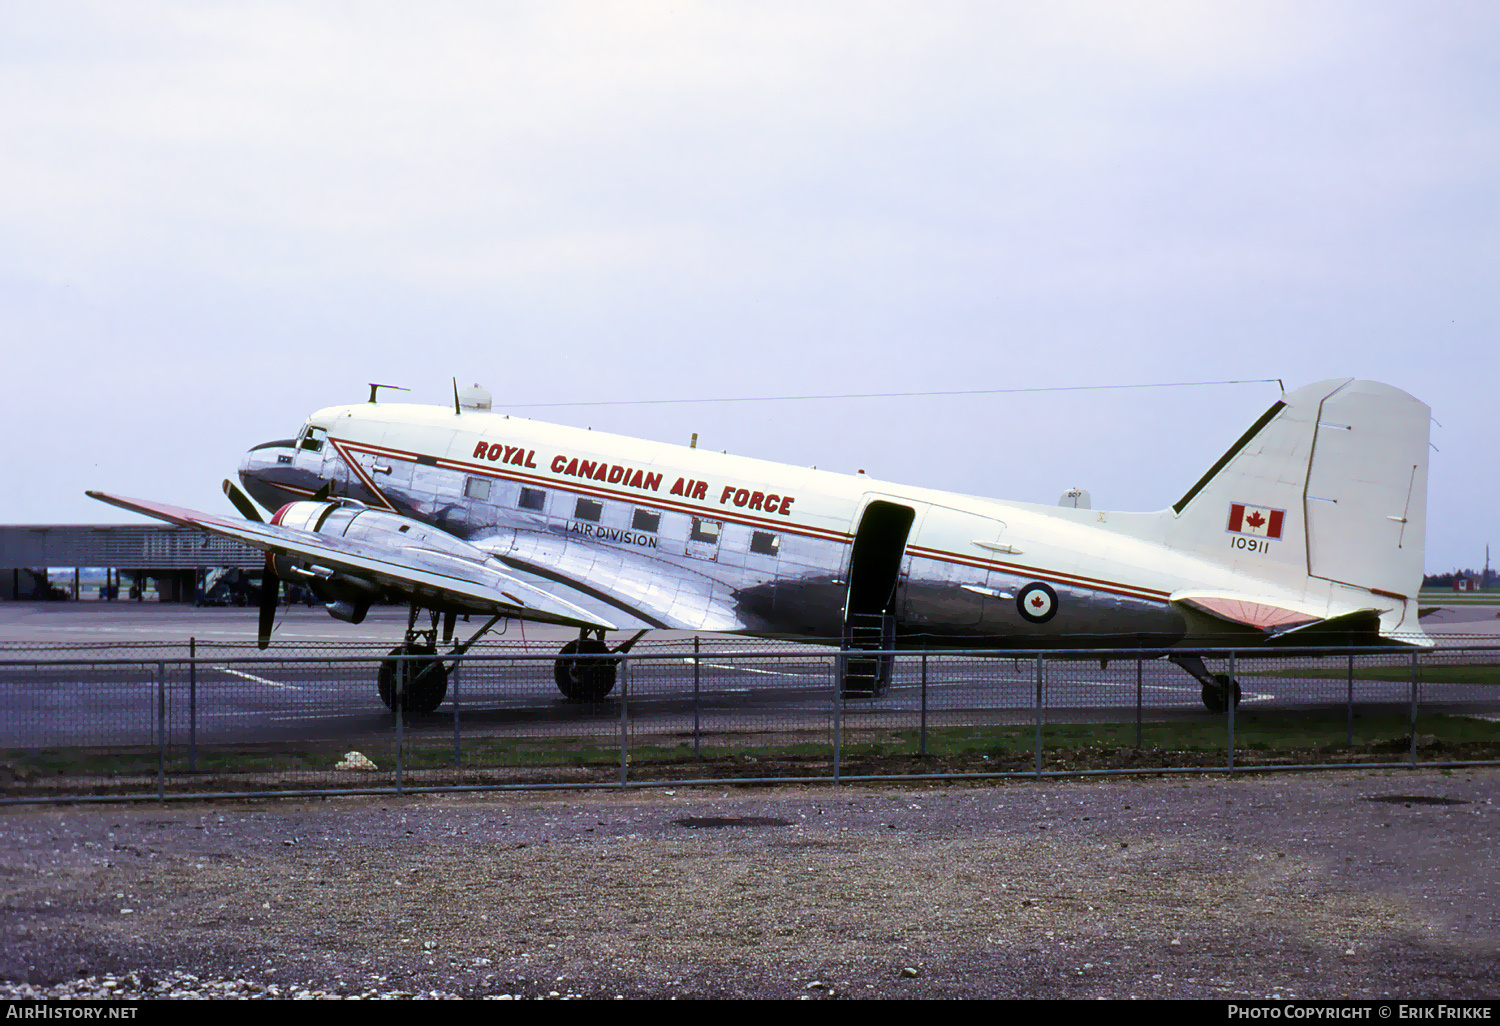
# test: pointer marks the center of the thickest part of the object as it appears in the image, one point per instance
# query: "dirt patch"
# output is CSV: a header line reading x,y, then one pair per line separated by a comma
x,y
1292,886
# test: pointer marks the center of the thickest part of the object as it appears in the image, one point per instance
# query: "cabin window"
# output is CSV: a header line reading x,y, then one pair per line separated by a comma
x,y
765,543
705,530
646,520
533,498
477,488
588,509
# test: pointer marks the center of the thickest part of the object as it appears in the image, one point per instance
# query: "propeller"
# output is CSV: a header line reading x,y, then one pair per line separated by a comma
x,y
270,583
270,594
242,502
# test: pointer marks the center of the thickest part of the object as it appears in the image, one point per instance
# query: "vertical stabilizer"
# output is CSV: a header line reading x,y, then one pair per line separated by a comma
x,y
1330,483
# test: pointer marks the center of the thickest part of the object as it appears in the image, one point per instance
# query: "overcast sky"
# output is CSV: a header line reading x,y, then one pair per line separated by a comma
x,y
216,218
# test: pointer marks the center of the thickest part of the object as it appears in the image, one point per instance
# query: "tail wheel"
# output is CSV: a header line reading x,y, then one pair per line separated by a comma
x,y
424,681
1214,694
584,680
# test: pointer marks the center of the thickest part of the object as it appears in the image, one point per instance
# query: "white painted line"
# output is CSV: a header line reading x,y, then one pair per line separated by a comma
x,y
751,669
260,680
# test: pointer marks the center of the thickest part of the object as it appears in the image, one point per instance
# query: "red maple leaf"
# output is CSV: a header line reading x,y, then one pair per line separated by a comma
x,y
1036,600
1255,519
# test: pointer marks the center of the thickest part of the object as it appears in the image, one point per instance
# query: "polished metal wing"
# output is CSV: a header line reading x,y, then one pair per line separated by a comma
x,y
436,579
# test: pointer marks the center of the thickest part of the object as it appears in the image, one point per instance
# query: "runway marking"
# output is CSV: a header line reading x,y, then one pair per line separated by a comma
x,y
1182,689
260,680
751,669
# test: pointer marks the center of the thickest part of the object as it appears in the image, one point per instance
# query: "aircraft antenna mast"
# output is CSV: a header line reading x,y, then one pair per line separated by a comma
x,y
374,389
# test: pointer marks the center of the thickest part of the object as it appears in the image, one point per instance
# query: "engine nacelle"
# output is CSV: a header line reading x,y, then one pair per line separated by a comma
x,y
346,597
374,527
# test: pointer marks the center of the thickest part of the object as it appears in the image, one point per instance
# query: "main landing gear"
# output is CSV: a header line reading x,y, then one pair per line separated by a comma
x,y
583,671
1216,686
419,682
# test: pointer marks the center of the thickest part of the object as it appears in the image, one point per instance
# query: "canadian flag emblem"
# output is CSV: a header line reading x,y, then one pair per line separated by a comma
x,y
1257,520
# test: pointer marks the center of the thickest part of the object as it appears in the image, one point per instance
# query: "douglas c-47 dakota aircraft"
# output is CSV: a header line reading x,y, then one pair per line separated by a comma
x,y
1309,530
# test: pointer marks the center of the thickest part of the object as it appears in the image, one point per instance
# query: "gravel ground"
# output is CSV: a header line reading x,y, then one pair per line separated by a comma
x,y
1339,884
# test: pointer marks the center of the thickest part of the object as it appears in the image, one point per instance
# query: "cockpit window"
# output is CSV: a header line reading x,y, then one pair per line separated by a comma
x,y
312,439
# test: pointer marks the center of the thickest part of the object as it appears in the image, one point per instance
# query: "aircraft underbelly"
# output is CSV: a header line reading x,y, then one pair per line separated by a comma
x,y
952,600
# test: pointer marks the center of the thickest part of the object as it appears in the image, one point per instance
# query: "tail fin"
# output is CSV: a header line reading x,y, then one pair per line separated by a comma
x,y
1330,483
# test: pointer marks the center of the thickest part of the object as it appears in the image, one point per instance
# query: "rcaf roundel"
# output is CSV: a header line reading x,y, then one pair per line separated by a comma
x,y
1037,602
1260,521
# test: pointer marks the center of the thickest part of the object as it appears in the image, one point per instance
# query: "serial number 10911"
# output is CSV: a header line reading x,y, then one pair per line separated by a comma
x,y
1250,544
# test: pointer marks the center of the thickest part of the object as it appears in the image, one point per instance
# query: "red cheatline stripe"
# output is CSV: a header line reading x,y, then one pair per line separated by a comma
x,y
709,513
1114,587
569,486
354,465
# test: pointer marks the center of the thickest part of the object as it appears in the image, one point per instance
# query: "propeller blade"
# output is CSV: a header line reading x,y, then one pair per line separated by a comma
x,y
449,619
270,593
241,502
321,495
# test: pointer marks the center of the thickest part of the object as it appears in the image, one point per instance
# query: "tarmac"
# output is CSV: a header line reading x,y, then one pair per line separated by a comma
x,y
94,622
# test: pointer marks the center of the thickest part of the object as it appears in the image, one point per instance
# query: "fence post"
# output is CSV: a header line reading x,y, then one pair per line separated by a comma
x,y
1412,731
1349,707
838,712
193,705
398,692
624,719
923,750
161,730
1039,715
1230,692
457,755
697,754
1138,662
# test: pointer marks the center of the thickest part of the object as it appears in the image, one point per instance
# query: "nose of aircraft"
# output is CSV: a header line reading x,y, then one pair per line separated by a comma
x,y
269,473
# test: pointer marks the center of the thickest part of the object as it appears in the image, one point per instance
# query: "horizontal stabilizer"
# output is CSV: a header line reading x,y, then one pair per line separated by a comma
x,y
1238,609
1361,627
1278,623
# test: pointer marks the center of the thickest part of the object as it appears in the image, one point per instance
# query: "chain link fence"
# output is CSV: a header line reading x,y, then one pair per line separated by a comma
x,y
212,720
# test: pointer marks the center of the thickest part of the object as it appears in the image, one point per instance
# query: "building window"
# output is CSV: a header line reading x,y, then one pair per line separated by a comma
x,y
533,498
646,520
588,509
765,543
705,530
477,488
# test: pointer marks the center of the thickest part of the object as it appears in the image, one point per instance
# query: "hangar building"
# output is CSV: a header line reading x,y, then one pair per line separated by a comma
x,y
162,562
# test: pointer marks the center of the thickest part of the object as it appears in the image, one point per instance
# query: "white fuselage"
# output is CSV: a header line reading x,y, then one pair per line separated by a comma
x,y
685,538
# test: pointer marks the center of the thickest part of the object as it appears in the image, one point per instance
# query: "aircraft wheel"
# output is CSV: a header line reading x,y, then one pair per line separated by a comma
x,y
425,681
1213,694
584,680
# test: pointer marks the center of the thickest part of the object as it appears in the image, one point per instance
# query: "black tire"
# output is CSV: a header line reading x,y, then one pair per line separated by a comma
x,y
584,680
1213,694
425,680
